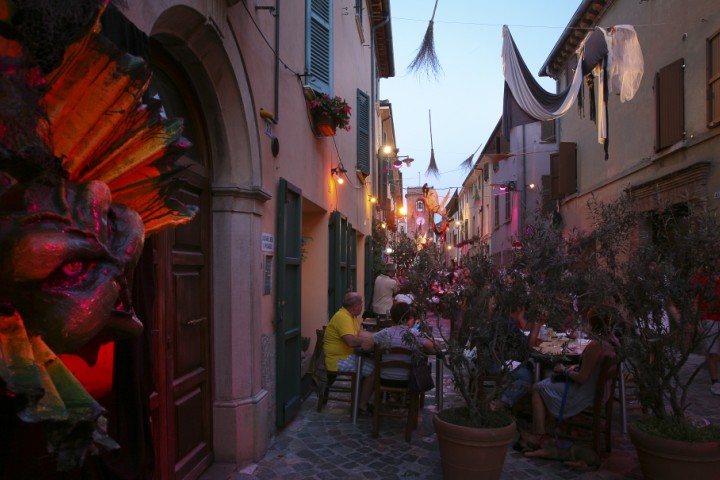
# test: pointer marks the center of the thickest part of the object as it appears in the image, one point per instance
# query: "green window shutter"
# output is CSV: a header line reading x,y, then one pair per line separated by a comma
x,y
362,116
342,256
318,47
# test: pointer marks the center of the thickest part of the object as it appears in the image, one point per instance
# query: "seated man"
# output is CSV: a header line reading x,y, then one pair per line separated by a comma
x,y
342,336
402,334
517,348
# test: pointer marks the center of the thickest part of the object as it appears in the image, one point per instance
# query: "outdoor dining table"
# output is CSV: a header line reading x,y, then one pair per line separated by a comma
x,y
559,350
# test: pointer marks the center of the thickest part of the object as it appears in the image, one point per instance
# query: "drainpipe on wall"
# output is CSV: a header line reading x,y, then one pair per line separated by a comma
x,y
373,94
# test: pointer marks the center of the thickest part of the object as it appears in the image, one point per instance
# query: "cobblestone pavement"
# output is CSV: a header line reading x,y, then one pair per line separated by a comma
x,y
328,446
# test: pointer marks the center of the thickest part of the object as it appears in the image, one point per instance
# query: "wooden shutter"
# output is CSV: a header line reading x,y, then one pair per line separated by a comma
x,y
547,205
568,168
319,49
670,108
508,204
563,171
342,260
362,115
713,76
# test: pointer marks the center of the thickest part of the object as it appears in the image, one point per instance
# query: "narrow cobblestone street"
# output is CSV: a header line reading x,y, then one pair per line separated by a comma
x,y
327,445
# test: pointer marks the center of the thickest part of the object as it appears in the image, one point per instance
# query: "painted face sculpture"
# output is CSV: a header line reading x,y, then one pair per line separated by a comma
x,y
66,252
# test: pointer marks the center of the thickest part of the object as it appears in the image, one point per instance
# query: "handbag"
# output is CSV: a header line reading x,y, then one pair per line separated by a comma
x,y
420,379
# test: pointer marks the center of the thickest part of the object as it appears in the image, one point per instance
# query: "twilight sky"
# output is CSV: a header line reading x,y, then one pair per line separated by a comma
x,y
465,100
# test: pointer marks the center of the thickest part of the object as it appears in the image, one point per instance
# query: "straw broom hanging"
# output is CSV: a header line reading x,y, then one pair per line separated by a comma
x,y
426,58
432,168
467,163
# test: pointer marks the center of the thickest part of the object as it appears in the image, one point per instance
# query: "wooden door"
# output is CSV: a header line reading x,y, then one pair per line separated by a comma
x,y
182,405
287,311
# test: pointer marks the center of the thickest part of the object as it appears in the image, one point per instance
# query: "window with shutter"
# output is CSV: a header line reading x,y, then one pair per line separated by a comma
x,y
670,105
362,116
547,131
318,45
713,73
563,171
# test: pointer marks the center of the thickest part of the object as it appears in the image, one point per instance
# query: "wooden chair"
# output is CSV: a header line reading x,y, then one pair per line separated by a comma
x,y
601,410
604,399
338,386
392,398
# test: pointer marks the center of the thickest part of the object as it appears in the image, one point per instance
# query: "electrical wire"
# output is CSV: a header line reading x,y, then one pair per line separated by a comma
x,y
277,54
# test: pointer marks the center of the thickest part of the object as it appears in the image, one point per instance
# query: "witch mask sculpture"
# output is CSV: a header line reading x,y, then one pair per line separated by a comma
x,y
79,191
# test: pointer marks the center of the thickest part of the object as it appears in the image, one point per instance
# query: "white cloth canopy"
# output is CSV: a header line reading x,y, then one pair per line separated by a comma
x,y
525,93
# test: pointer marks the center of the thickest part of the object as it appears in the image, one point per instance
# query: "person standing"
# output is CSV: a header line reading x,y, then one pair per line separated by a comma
x,y
385,287
342,336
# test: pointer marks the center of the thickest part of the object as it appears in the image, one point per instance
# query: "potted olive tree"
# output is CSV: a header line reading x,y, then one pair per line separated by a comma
x,y
474,437
663,269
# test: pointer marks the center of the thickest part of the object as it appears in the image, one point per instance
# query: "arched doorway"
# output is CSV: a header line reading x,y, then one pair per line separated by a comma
x,y
181,406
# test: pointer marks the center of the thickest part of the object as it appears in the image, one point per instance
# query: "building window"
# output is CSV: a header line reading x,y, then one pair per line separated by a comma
x,y
419,206
547,131
713,72
359,19
318,45
563,171
362,115
670,105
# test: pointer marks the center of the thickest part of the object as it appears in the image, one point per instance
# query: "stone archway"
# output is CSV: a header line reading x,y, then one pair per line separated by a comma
x,y
240,404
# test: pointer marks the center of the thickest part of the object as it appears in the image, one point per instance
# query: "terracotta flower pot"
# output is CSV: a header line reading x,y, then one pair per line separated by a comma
x,y
665,459
324,126
467,452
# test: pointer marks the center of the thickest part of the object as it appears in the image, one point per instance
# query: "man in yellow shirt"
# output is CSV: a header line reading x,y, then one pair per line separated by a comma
x,y
342,336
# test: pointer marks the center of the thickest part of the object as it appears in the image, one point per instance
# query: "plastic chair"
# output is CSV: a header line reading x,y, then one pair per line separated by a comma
x,y
392,397
337,386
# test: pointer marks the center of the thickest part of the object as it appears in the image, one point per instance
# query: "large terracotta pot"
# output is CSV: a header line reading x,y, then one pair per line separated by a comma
x,y
477,453
665,459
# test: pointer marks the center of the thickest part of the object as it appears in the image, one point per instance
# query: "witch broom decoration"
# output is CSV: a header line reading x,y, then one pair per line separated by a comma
x,y
467,163
426,57
432,168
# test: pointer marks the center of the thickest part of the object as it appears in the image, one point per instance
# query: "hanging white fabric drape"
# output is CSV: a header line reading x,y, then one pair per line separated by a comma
x,y
625,61
521,91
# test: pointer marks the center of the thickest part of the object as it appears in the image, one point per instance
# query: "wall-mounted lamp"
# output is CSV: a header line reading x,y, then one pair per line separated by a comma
x,y
402,210
372,198
507,186
531,186
338,172
397,163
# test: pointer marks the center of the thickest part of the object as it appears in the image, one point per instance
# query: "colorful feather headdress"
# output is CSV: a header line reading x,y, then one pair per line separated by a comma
x,y
71,109
93,122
